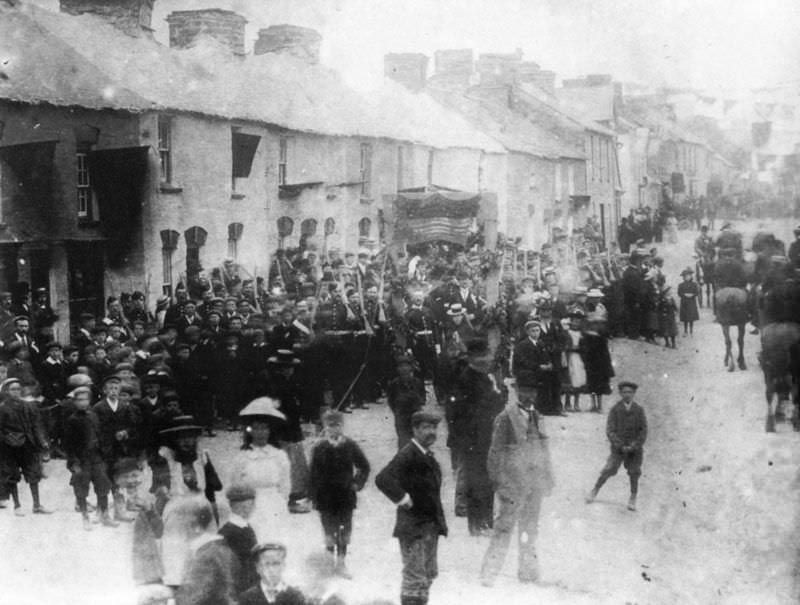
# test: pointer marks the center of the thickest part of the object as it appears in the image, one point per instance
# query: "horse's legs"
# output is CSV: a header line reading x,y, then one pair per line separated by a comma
x,y
770,410
740,342
726,332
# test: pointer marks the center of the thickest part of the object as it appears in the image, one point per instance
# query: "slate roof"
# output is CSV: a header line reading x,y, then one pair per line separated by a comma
x,y
513,130
83,61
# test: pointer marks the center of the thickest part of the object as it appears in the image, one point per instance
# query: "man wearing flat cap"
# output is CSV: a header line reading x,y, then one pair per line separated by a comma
x,y
239,535
413,481
626,429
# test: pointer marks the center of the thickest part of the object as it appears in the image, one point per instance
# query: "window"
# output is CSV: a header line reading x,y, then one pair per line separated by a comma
x,y
234,235
400,167
366,169
364,227
285,228
243,150
283,159
308,227
330,226
165,147
570,179
169,242
430,167
84,186
593,158
557,180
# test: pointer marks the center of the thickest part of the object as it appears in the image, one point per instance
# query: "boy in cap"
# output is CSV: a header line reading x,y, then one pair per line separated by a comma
x,y
626,429
412,481
84,457
405,395
118,424
22,445
239,535
339,469
271,589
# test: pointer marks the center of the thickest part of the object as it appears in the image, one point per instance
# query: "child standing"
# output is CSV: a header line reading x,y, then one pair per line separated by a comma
x,y
239,535
84,458
688,292
597,360
339,469
667,317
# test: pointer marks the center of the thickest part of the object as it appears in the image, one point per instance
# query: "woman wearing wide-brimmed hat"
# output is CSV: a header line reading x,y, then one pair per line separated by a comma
x,y
183,474
265,467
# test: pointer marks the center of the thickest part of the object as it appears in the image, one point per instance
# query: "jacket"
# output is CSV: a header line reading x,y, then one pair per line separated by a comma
x,y
288,596
519,457
334,482
528,359
418,475
625,427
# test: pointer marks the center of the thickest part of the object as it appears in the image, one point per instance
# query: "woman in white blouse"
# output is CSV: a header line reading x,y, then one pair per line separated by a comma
x,y
265,467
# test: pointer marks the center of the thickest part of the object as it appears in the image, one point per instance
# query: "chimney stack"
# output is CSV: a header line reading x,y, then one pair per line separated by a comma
x,y
300,42
409,69
498,68
131,16
226,27
453,68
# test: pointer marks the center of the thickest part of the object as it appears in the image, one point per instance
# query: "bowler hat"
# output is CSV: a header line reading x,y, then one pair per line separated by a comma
x,y
422,417
627,384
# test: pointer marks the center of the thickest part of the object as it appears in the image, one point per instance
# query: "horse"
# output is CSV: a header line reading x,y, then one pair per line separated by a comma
x,y
730,305
780,348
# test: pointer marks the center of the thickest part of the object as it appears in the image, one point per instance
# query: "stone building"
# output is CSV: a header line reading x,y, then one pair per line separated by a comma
x,y
128,164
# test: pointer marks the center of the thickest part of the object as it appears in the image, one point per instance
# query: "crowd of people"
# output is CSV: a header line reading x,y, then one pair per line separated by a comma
x,y
135,388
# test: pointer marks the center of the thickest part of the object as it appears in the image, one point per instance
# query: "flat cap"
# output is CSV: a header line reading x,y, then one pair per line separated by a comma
x,y
423,417
627,384
240,493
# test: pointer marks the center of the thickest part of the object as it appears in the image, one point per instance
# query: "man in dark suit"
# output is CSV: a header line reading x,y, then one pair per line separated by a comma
x,y
464,296
533,366
626,429
413,480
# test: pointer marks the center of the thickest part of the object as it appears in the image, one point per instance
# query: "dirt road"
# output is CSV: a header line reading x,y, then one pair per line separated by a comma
x,y
717,518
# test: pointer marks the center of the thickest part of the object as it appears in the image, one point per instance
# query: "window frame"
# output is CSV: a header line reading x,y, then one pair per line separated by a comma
x,y
164,144
283,160
365,169
84,194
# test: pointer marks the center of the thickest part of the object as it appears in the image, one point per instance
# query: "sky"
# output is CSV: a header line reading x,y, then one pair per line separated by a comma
x,y
731,45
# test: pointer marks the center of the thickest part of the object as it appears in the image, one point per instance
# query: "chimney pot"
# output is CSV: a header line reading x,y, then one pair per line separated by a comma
x,y
300,42
226,27
134,17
